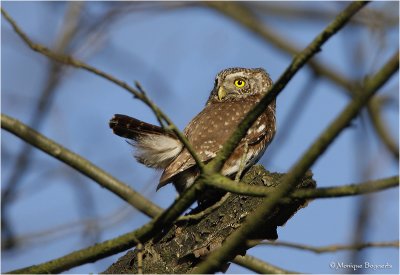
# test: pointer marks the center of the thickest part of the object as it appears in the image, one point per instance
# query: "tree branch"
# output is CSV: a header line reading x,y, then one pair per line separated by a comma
x,y
144,234
348,190
248,19
179,206
83,256
216,259
374,111
329,248
186,243
41,107
298,62
243,15
226,252
260,266
323,192
80,164
68,60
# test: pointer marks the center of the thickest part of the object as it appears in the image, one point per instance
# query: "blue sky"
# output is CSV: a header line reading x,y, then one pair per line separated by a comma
x,y
175,55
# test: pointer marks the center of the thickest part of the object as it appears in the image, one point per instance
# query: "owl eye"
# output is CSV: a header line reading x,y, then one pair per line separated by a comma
x,y
240,83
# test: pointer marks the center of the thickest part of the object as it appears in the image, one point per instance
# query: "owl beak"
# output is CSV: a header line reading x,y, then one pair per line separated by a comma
x,y
221,93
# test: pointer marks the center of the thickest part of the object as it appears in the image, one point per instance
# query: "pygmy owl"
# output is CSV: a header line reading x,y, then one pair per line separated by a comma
x,y
236,91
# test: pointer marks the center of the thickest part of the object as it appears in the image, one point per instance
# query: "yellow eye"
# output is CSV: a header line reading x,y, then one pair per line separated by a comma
x,y
239,83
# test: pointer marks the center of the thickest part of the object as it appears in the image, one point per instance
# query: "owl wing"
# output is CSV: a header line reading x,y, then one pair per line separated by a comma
x,y
263,129
208,131
202,141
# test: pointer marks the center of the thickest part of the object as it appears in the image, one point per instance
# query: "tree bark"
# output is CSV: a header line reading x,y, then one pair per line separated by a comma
x,y
181,247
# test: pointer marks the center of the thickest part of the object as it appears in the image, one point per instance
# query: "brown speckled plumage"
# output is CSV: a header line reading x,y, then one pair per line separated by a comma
x,y
209,130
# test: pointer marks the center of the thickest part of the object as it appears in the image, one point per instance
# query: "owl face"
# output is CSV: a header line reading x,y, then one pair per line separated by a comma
x,y
237,83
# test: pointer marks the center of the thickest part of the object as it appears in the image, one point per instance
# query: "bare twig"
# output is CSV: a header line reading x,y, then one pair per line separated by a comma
x,y
80,164
116,245
294,112
323,192
374,110
348,190
299,12
245,17
260,266
206,211
187,197
227,251
61,231
69,60
329,248
298,62
55,74
87,255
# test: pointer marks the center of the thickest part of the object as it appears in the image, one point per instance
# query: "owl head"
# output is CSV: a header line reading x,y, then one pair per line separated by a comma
x,y
237,83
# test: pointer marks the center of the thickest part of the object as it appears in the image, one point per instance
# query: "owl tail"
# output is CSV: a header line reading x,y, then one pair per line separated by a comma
x,y
155,147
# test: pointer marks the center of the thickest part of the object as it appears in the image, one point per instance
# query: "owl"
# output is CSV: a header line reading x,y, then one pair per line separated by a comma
x,y
236,91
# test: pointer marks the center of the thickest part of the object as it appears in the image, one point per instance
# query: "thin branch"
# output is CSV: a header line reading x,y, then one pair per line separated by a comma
x,y
374,111
69,60
80,164
297,63
260,266
180,254
227,251
293,115
243,15
348,190
208,210
329,248
122,243
298,12
246,17
145,232
83,256
323,192
119,244
61,231
41,108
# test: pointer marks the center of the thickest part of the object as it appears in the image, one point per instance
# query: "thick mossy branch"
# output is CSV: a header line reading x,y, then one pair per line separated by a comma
x,y
180,248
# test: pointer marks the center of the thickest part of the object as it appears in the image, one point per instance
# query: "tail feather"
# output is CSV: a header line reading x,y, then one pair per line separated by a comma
x,y
132,128
154,146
